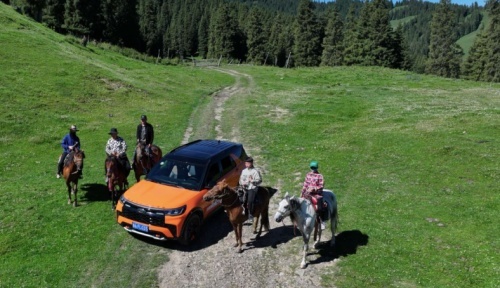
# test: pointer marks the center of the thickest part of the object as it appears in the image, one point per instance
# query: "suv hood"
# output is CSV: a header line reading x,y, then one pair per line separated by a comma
x,y
151,194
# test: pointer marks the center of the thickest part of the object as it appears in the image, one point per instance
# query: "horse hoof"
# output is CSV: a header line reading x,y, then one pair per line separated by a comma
x,y
236,245
303,266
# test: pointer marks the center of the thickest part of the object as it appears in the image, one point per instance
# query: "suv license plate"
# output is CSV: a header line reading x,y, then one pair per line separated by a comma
x,y
140,227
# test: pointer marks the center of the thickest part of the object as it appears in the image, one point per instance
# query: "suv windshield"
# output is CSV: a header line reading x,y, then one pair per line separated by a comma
x,y
177,173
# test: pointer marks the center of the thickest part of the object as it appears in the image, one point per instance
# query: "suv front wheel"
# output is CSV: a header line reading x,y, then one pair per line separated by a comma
x,y
191,229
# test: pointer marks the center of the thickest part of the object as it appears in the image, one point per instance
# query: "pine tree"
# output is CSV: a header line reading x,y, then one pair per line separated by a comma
x,y
474,65
148,25
444,54
83,17
382,41
351,37
223,33
492,67
401,50
203,36
333,43
255,37
307,45
120,22
53,15
280,40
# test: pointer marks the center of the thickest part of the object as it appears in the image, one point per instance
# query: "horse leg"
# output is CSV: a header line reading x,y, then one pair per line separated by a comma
x,y
235,229
240,233
317,231
333,226
256,222
303,264
69,192
75,191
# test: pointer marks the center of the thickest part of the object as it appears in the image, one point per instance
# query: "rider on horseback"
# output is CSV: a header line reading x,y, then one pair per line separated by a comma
x,y
69,143
116,146
313,188
250,179
145,135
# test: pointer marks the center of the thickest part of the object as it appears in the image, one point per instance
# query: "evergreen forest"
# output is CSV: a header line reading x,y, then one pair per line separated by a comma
x,y
413,35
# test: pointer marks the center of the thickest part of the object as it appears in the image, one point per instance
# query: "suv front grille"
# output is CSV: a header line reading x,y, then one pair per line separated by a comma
x,y
144,215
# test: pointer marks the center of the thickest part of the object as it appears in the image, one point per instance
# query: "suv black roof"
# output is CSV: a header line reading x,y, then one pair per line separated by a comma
x,y
202,150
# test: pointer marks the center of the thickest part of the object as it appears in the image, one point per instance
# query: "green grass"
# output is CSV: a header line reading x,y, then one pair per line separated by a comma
x,y
395,23
47,83
413,160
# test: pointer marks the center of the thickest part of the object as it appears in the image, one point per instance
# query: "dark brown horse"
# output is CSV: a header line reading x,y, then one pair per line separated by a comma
x,y
71,172
230,200
117,176
142,162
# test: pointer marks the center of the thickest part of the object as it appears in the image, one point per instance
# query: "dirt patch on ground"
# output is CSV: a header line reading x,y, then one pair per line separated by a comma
x,y
273,260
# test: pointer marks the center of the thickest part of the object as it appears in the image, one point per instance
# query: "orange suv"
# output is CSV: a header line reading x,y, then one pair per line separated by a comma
x,y
168,203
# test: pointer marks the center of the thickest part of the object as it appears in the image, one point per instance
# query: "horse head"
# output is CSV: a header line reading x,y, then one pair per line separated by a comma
x,y
219,191
78,157
286,207
111,165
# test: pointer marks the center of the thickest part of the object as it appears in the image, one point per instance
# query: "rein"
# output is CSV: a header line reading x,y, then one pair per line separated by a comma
x,y
226,194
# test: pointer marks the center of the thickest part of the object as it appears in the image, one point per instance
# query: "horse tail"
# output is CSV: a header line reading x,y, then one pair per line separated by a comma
x,y
265,217
264,221
335,221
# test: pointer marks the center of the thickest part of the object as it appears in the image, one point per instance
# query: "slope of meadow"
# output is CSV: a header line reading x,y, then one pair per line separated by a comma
x,y
414,161
47,83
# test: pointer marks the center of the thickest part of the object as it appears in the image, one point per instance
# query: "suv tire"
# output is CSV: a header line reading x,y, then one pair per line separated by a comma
x,y
191,231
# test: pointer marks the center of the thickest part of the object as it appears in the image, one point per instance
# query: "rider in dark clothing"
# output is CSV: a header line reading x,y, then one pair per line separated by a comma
x,y
145,135
69,143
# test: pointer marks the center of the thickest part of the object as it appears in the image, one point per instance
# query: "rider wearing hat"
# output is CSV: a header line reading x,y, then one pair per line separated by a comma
x,y
250,179
116,146
145,134
313,187
69,143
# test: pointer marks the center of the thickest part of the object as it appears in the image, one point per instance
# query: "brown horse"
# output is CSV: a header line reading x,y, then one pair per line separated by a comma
x,y
142,162
230,200
117,176
71,172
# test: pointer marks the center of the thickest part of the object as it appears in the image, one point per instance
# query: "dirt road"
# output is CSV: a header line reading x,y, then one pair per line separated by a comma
x,y
271,261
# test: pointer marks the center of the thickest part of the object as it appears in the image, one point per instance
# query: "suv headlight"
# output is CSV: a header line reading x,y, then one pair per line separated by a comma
x,y
122,199
175,211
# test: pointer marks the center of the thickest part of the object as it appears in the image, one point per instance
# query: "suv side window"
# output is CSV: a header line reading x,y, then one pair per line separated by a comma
x,y
213,174
227,164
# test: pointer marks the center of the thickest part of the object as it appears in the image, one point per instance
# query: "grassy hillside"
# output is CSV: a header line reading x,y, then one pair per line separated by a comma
x,y
395,23
467,41
413,160
47,83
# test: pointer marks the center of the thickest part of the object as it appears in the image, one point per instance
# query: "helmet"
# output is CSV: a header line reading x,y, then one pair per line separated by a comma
x,y
313,165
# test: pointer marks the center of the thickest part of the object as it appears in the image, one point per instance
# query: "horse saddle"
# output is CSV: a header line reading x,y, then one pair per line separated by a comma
x,y
68,158
321,212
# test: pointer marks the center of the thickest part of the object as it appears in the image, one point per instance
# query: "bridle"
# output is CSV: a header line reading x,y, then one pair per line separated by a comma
x,y
223,196
78,162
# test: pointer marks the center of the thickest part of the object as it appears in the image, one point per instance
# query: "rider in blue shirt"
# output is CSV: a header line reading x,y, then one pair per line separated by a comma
x,y
69,143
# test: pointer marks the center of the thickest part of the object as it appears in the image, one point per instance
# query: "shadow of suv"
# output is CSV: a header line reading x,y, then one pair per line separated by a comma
x,y
168,203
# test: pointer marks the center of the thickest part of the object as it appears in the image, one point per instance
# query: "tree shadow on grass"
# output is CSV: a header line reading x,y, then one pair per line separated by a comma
x,y
346,243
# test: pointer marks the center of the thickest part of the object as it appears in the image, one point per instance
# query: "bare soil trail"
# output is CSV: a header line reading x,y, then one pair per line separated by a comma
x,y
271,261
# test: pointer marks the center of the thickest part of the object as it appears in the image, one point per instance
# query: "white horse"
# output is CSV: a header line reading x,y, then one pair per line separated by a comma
x,y
302,212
